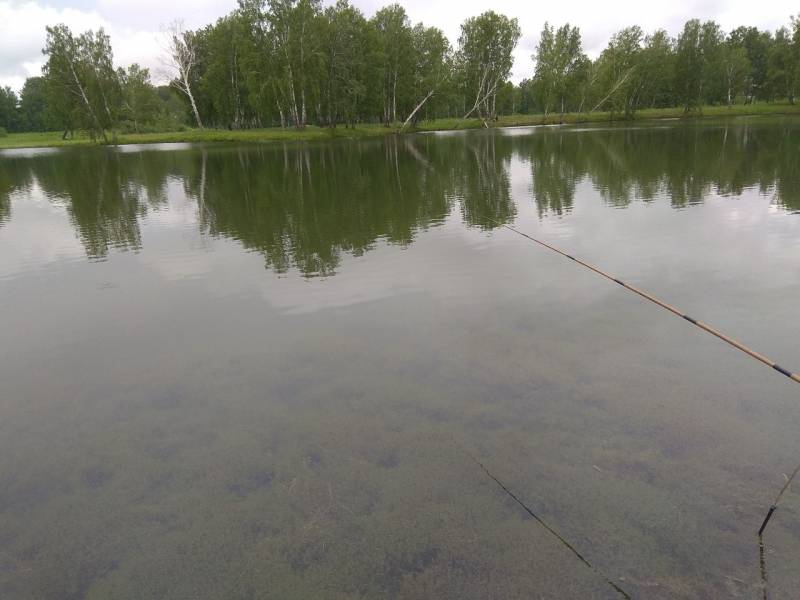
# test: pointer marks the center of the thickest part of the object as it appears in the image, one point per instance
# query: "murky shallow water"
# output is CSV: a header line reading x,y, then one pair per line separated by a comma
x,y
260,371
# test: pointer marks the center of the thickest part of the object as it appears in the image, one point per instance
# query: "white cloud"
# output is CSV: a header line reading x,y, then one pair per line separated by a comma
x,y
134,26
22,36
597,21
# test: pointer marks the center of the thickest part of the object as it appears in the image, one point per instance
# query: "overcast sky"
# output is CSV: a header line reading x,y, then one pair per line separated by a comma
x,y
134,25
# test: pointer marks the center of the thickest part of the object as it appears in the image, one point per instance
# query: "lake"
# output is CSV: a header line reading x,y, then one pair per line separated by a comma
x,y
274,371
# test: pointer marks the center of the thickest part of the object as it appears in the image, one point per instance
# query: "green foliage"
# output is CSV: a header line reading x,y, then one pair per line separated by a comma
x,y
736,71
657,71
620,71
432,70
3,132
782,66
699,64
293,28
141,104
295,63
393,40
560,66
345,50
9,115
756,44
702,67
33,106
485,58
83,89
689,65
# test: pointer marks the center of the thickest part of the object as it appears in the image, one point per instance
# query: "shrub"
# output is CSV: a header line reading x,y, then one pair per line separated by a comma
x,y
3,132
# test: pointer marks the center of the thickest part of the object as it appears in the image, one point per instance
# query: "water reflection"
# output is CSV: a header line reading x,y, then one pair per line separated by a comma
x,y
177,423
684,163
302,205
5,206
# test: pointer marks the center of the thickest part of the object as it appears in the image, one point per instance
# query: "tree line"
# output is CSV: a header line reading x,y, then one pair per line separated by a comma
x,y
701,66
294,62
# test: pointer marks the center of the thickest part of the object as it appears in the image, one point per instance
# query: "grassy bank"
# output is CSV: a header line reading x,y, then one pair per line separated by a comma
x,y
53,139
738,110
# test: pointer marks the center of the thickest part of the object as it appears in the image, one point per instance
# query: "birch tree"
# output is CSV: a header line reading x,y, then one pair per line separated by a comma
x,y
756,44
657,70
432,66
98,58
140,101
620,67
395,49
69,75
345,57
181,61
222,85
559,58
689,65
485,59
781,67
697,56
736,68
293,28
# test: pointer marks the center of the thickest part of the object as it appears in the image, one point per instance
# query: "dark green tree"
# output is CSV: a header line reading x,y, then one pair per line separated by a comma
x,y
559,65
657,71
782,66
431,69
346,54
736,70
33,106
485,58
78,82
699,74
756,44
620,75
394,52
141,105
9,110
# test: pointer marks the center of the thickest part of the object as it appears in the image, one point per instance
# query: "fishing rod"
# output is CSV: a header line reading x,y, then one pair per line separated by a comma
x,y
705,327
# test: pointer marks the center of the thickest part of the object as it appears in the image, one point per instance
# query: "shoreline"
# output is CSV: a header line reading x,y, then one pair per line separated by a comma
x,y
314,133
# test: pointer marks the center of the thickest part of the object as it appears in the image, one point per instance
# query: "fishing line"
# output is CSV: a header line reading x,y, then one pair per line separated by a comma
x,y
549,528
705,327
762,560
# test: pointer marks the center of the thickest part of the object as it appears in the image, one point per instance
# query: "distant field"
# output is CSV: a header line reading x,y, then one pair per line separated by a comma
x,y
53,139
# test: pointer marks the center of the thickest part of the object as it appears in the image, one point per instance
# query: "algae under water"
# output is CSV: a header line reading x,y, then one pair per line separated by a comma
x,y
246,371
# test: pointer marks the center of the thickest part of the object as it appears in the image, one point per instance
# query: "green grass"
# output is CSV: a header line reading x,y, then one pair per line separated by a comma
x,y
39,140
311,133
53,138
737,110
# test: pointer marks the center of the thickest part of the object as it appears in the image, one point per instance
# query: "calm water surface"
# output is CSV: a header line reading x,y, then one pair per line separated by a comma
x,y
257,371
